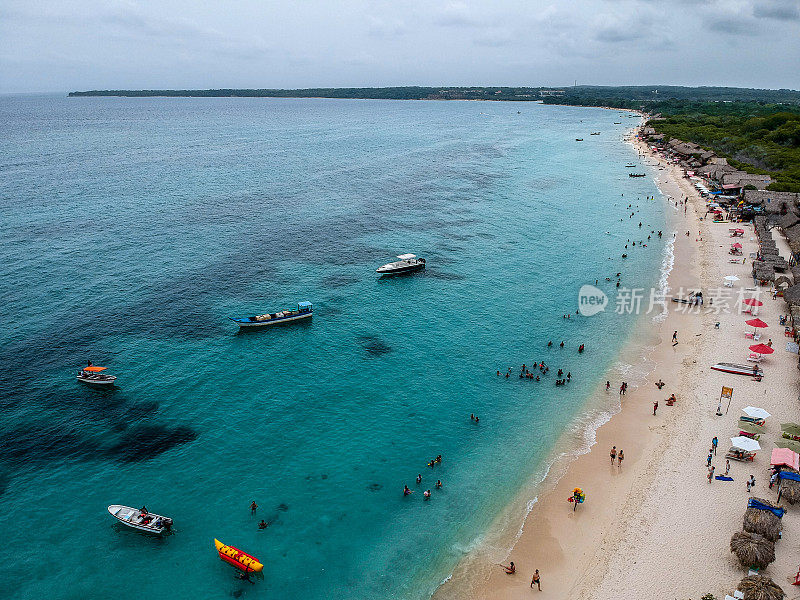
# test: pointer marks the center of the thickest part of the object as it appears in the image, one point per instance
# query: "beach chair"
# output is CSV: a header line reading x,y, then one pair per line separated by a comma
x,y
754,357
750,335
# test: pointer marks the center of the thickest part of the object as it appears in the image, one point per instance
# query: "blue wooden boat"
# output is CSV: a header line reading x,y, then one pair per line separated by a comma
x,y
304,311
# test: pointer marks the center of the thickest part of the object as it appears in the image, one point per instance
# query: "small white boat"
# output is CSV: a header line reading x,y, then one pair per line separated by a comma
x,y
304,311
140,518
95,376
408,263
752,371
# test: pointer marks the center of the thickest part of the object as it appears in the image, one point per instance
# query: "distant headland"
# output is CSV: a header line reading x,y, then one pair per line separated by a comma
x,y
613,96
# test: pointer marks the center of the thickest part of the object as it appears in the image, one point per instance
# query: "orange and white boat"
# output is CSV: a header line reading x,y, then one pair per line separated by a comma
x,y
95,376
237,558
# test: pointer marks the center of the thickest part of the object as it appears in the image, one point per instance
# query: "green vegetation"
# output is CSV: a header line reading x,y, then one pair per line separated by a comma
x,y
757,138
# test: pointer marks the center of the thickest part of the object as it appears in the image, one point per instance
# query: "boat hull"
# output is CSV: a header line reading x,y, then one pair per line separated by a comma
x,y
108,381
738,369
251,324
123,515
401,270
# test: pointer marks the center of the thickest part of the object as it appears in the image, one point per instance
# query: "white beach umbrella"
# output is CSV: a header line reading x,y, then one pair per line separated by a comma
x,y
731,278
756,413
745,443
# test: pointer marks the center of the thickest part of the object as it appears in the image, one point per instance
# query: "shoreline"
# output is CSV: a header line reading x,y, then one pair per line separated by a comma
x,y
614,545
574,457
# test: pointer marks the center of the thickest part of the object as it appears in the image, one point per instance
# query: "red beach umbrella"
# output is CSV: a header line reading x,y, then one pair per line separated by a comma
x,y
753,302
761,349
756,323
736,245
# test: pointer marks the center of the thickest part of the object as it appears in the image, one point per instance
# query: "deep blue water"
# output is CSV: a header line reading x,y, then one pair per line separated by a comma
x,y
132,228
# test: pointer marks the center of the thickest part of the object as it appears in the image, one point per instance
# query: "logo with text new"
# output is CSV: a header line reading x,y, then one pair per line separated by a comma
x,y
591,300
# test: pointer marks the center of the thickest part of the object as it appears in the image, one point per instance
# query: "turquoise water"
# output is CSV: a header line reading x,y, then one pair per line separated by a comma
x,y
132,228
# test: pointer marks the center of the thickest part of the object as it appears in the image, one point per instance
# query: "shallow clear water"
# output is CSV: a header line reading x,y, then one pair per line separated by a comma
x,y
132,228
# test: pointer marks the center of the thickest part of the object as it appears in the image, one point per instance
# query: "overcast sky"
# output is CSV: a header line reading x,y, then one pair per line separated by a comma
x,y
133,44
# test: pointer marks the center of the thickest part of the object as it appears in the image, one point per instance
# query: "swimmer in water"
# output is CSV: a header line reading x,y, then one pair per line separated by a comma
x,y
262,524
427,494
419,478
438,484
406,491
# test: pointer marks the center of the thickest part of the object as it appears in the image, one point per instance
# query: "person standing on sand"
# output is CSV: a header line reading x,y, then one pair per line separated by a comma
x,y
537,580
711,474
714,442
727,466
675,338
655,407
708,459
620,458
608,385
613,454
751,483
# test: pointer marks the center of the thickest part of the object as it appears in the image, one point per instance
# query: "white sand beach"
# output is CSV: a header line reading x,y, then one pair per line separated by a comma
x,y
656,527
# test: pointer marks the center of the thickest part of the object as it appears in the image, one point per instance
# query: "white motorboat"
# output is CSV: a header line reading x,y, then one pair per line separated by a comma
x,y
304,311
408,263
95,376
140,518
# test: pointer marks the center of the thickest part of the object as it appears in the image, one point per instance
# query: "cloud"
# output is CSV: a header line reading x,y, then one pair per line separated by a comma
x,y
379,27
775,9
494,38
733,25
457,14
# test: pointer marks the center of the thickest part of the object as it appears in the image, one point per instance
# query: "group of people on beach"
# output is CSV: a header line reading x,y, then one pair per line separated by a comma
x,y
617,456
511,569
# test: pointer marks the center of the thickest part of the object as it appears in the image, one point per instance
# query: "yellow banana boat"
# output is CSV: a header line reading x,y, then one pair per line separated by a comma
x,y
240,560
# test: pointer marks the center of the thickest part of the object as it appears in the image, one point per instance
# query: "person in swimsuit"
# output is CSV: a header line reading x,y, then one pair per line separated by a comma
x,y
537,580
620,458
510,569
253,507
613,454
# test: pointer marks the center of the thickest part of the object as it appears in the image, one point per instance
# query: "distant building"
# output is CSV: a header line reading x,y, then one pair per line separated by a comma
x,y
544,93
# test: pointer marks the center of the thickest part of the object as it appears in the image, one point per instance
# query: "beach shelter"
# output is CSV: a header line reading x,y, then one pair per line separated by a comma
x,y
761,349
792,445
755,412
785,457
760,587
752,549
736,245
729,279
752,429
752,302
791,429
757,323
764,518
745,443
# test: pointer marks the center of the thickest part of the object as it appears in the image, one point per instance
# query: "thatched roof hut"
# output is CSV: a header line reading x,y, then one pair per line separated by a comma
x,y
789,219
763,522
792,295
789,490
752,549
759,587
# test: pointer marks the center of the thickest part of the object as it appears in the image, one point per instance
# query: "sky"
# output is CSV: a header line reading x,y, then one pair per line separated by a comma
x,y
66,45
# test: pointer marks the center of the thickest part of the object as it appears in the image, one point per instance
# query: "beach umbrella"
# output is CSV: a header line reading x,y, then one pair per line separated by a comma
x,y
752,549
745,443
761,349
752,302
792,445
755,412
791,428
785,457
747,427
760,587
731,278
756,323
763,522
739,230
736,245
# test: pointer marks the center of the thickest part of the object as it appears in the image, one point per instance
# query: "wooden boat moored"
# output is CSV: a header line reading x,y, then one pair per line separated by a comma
x,y
304,311
753,371
140,518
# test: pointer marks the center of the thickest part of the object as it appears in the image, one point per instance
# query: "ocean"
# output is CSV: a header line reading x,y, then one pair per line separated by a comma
x,y
133,228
